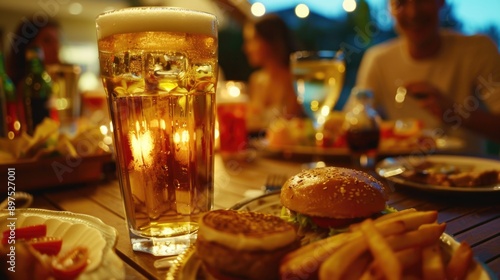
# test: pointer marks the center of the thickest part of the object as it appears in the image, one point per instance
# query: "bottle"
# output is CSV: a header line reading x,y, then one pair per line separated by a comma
x,y
37,90
362,127
10,112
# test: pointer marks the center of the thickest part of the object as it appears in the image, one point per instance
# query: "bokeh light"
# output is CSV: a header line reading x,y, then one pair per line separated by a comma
x,y
349,5
302,10
258,9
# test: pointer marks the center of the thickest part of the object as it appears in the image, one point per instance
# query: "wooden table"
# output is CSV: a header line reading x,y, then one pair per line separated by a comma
x,y
475,219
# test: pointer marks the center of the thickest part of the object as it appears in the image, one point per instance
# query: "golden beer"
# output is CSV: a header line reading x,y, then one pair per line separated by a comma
x,y
159,69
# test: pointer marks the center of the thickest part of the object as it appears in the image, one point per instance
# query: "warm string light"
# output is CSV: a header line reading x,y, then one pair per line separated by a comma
x,y
302,10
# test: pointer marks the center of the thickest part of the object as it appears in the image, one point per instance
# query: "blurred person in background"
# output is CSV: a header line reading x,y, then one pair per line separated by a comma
x,y
28,34
268,44
451,82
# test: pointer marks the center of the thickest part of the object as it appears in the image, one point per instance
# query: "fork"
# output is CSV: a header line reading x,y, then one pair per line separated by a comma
x,y
274,182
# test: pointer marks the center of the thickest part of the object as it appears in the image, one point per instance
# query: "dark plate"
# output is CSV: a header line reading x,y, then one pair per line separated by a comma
x,y
392,167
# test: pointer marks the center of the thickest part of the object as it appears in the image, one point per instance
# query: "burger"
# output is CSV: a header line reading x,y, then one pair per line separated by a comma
x,y
243,245
325,201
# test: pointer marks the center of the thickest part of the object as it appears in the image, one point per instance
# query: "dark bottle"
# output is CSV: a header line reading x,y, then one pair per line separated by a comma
x,y
362,126
37,90
10,110
363,140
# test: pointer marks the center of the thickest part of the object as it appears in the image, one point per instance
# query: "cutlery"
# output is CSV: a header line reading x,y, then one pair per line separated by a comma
x,y
274,182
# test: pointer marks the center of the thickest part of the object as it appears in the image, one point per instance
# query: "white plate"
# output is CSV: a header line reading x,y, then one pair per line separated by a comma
x,y
391,168
188,266
76,229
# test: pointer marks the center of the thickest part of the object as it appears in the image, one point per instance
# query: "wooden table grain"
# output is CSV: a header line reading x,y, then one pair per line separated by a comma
x,y
471,218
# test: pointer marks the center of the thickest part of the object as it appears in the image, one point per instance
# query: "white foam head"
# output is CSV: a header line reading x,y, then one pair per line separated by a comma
x,y
167,19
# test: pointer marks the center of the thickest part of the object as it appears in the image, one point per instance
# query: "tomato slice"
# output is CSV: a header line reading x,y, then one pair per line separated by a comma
x,y
71,264
334,223
48,245
26,232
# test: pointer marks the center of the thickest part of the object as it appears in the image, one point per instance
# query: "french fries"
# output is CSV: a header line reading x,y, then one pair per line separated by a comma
x,y
381,251
432,263
396,214
357,268
402,245
460,262
305,261
424,236
335,266
412,220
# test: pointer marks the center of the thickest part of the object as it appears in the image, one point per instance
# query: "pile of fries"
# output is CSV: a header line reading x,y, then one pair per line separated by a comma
x,y
401,245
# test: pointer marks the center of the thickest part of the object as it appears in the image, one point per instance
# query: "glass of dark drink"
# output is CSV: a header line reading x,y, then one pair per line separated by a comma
x,y
362,126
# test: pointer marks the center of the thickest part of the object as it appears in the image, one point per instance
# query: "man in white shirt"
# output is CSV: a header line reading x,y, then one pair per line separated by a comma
x,y
449,81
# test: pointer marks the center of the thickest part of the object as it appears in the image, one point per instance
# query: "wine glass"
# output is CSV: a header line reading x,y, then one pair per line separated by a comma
x,y
318,77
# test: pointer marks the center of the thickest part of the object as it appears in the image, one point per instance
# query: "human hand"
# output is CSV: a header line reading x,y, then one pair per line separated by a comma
x,y
429,98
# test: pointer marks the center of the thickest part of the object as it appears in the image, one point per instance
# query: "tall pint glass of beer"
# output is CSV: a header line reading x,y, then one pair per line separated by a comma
x,y
159,69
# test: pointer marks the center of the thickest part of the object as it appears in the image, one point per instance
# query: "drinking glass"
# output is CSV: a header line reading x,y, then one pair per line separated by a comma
x,y
232,103
65,99
362,127
318,78
159,69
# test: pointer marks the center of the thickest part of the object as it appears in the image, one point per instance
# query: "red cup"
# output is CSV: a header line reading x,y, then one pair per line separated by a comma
x,y
231,115
232,127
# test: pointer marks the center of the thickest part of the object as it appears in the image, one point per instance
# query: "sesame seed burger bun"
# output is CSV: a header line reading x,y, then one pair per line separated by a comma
x,y
334,192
